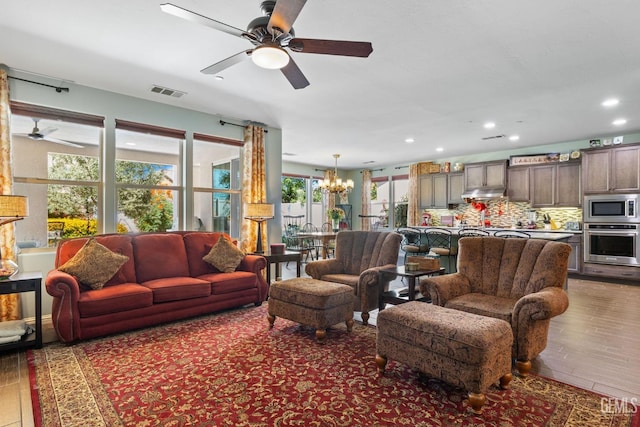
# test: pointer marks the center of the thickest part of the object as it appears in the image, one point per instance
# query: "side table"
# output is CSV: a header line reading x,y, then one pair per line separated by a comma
x,y
393,297
276,259
20,283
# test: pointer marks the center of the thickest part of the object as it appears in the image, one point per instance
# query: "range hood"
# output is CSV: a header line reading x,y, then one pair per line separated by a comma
x,y
485,193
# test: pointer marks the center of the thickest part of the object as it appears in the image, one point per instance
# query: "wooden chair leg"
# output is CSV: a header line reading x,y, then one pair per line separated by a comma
x,y
477,400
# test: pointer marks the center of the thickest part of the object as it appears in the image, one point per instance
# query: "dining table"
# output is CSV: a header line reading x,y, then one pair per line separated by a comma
x,y
324,236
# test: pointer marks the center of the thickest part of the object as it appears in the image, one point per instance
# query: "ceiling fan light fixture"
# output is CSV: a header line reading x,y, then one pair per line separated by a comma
x,y
270,57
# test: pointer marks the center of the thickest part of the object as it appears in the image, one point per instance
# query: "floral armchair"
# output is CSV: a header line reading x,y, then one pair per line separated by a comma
x,y
359,255
517,280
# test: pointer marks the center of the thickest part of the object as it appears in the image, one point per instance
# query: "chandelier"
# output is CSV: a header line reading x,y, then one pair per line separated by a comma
x,y
334,184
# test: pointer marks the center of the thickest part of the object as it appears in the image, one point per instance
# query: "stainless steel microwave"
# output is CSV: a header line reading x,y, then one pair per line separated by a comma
x,y
612,208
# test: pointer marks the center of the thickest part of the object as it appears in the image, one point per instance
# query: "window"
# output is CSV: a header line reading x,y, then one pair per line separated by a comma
x,y
400,200
380,195
56,158
217,184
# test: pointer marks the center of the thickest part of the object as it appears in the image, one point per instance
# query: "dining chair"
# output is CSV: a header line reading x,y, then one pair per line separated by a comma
x,y
512,233
330,248
439,241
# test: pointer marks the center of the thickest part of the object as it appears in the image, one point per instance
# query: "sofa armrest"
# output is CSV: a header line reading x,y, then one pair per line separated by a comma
x,y
65,290
444,288
256,264
317,269
542,305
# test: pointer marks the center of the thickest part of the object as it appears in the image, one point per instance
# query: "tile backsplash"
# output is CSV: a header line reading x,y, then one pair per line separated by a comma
x,y
504,214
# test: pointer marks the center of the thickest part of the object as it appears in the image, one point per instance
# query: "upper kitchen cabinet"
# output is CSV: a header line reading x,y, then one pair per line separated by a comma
x,y
611,170
485,175
456,188
433,191
555,185
518,190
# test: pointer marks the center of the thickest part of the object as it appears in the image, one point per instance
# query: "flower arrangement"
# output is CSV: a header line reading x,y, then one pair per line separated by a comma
x,y
335,214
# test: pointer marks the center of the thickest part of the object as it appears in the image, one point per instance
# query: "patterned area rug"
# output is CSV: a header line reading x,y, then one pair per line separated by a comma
x,y
229,369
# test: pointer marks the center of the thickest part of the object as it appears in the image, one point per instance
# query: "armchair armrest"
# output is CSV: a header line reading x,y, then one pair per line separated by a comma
x,y
317,269
541,305
65,290
444,288
372,280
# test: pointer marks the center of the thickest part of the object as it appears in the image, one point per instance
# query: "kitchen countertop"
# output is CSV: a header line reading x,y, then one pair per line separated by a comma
x,y
537,233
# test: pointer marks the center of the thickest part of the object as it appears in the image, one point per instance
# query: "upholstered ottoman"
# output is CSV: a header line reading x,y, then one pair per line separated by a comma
x,y
462,349
311,302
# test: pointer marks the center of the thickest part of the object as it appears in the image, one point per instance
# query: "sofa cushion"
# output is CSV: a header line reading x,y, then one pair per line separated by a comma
x,y
94,264
224,255
198,244
484,305
159,255
177,288
224,283
113,299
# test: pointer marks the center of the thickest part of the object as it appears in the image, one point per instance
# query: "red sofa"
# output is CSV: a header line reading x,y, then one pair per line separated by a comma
x,y
164,279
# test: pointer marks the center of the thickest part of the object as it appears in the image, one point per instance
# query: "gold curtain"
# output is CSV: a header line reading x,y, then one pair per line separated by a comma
x,y
254,185
413,214
9,304
366,200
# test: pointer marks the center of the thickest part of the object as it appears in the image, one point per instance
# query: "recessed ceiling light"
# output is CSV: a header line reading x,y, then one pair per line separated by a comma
x,y
409,140
514,138
489,125
219,78
439,149
610,102
619,122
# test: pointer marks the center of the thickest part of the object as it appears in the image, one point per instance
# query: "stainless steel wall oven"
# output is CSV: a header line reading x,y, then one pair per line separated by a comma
x,y
612,243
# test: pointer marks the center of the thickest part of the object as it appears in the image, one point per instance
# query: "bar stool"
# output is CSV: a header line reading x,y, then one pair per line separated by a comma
x,y
412,242
439,241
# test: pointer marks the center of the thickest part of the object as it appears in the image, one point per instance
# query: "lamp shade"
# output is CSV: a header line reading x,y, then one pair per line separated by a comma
x,y
13,206
259,211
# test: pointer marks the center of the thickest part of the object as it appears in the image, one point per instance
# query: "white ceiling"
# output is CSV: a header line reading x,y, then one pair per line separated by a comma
x,y
438,71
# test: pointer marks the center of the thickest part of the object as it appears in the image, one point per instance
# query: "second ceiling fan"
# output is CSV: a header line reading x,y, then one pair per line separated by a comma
x,y
271,34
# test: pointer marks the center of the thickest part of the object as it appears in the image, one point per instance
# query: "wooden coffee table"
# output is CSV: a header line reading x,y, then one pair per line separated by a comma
x,y
397,296
276,259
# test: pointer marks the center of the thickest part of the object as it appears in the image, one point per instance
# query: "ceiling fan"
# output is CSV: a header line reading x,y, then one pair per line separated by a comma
x,y
43,135
271,34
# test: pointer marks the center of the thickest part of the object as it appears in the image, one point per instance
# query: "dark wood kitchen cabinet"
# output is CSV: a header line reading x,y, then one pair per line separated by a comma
x,y
485,175
456,188
518,189
555,185
611,170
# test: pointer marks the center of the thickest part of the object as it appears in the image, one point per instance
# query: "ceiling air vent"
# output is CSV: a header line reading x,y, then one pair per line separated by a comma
x,y
166,91
486,138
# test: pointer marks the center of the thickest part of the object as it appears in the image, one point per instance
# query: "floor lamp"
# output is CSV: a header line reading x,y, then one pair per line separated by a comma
x,y
259,212
12,208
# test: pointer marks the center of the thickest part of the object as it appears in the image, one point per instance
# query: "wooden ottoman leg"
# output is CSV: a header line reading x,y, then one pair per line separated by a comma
x,y
365,317
349,323
505,380
321,335
523,366
476,400
271,318
381,363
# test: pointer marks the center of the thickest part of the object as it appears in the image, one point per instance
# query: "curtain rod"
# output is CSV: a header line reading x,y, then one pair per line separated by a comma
x,y
223,122
58,89
372,170
401,167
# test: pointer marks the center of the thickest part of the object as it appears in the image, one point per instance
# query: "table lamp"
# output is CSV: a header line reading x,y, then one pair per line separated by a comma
x,y
259,212
12,208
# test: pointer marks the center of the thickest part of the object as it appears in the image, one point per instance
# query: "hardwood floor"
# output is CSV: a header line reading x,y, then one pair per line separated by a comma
x,y
594,345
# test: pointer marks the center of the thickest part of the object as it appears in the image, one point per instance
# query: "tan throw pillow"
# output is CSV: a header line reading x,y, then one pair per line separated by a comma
x,y
94,264
224,255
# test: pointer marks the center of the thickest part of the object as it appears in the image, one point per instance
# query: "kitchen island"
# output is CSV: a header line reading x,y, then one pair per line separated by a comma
x,y
555,235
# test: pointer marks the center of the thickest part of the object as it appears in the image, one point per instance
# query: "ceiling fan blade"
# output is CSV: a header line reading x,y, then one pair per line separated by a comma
x,y
62,141
294,75
331,47
226,63
47,131
284,14
180,12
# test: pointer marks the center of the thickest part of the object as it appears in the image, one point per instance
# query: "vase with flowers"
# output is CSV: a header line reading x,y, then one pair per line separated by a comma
x,y
336,214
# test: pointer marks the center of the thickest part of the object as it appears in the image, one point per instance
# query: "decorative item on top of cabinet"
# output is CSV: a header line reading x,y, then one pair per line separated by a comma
x,y
612,169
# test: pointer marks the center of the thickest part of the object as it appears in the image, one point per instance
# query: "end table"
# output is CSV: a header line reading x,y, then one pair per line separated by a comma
x,y
21,283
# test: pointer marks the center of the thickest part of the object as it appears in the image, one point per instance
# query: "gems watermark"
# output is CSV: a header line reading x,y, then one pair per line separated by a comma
x,y
616,406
